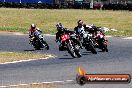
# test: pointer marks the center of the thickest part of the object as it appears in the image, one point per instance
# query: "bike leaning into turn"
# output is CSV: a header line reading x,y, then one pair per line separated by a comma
x,y
38,42
69,42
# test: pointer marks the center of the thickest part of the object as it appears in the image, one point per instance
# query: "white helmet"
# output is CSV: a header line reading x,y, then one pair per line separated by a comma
x,y
38,29
33,26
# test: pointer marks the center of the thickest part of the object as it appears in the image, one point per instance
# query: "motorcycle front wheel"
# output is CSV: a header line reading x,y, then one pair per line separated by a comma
x,y
77,51
104,47
93,50
45,44
70,50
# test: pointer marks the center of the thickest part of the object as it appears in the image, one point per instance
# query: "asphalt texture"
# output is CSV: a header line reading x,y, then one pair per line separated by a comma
x,y
63,66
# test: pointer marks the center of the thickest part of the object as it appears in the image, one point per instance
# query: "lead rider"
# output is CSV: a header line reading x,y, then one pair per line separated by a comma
x,y
60,31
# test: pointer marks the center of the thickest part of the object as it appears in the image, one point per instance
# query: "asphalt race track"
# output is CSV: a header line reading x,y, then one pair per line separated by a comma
x,y
64,67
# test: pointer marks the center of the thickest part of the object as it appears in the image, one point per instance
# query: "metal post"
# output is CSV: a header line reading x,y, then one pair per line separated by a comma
x,y
91,4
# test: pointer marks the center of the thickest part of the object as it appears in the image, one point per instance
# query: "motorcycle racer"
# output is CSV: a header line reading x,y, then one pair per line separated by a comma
x,y
33,29
60,31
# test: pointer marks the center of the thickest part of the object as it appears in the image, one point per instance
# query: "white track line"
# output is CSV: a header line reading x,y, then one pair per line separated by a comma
x,y
23,84
13,85
52,82
35,83
108,36
17,33
49,35
49,56
128,38
3,86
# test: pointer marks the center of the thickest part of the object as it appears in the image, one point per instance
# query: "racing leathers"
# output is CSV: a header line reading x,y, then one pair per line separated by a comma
x,y
58,35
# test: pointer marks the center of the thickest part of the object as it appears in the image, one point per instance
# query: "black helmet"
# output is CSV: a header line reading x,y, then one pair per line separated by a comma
x,y
60,27
80,22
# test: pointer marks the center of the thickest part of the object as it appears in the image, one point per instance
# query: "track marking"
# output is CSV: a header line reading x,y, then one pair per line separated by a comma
x,y
17,33
23,84
128,38
108,36
113,30
14,62
52,82
35,83
49,35
13,85
3,86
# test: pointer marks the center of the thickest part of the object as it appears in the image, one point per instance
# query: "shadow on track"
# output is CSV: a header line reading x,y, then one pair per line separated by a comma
x,y
66,58
34,49
30,50
86,53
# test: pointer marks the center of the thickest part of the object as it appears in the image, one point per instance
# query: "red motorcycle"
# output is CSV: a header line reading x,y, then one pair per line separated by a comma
x,y
69,41
101,41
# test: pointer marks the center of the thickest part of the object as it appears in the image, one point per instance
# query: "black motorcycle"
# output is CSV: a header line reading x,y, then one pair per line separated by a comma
x,y
89,43
38,41
98,37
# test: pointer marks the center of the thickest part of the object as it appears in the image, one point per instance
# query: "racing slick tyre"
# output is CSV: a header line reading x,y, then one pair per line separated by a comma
x,y
77,51
93,50
70,50
46,46
104,48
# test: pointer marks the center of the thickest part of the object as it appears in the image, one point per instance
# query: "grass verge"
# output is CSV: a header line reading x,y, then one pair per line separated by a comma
x,y
127,32
18,56
19,20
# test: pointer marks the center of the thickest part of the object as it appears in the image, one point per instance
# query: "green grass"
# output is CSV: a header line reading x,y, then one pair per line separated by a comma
x,y
17,56
19,20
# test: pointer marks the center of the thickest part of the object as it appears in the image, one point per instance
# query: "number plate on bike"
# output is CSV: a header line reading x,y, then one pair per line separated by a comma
x,y
64,37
